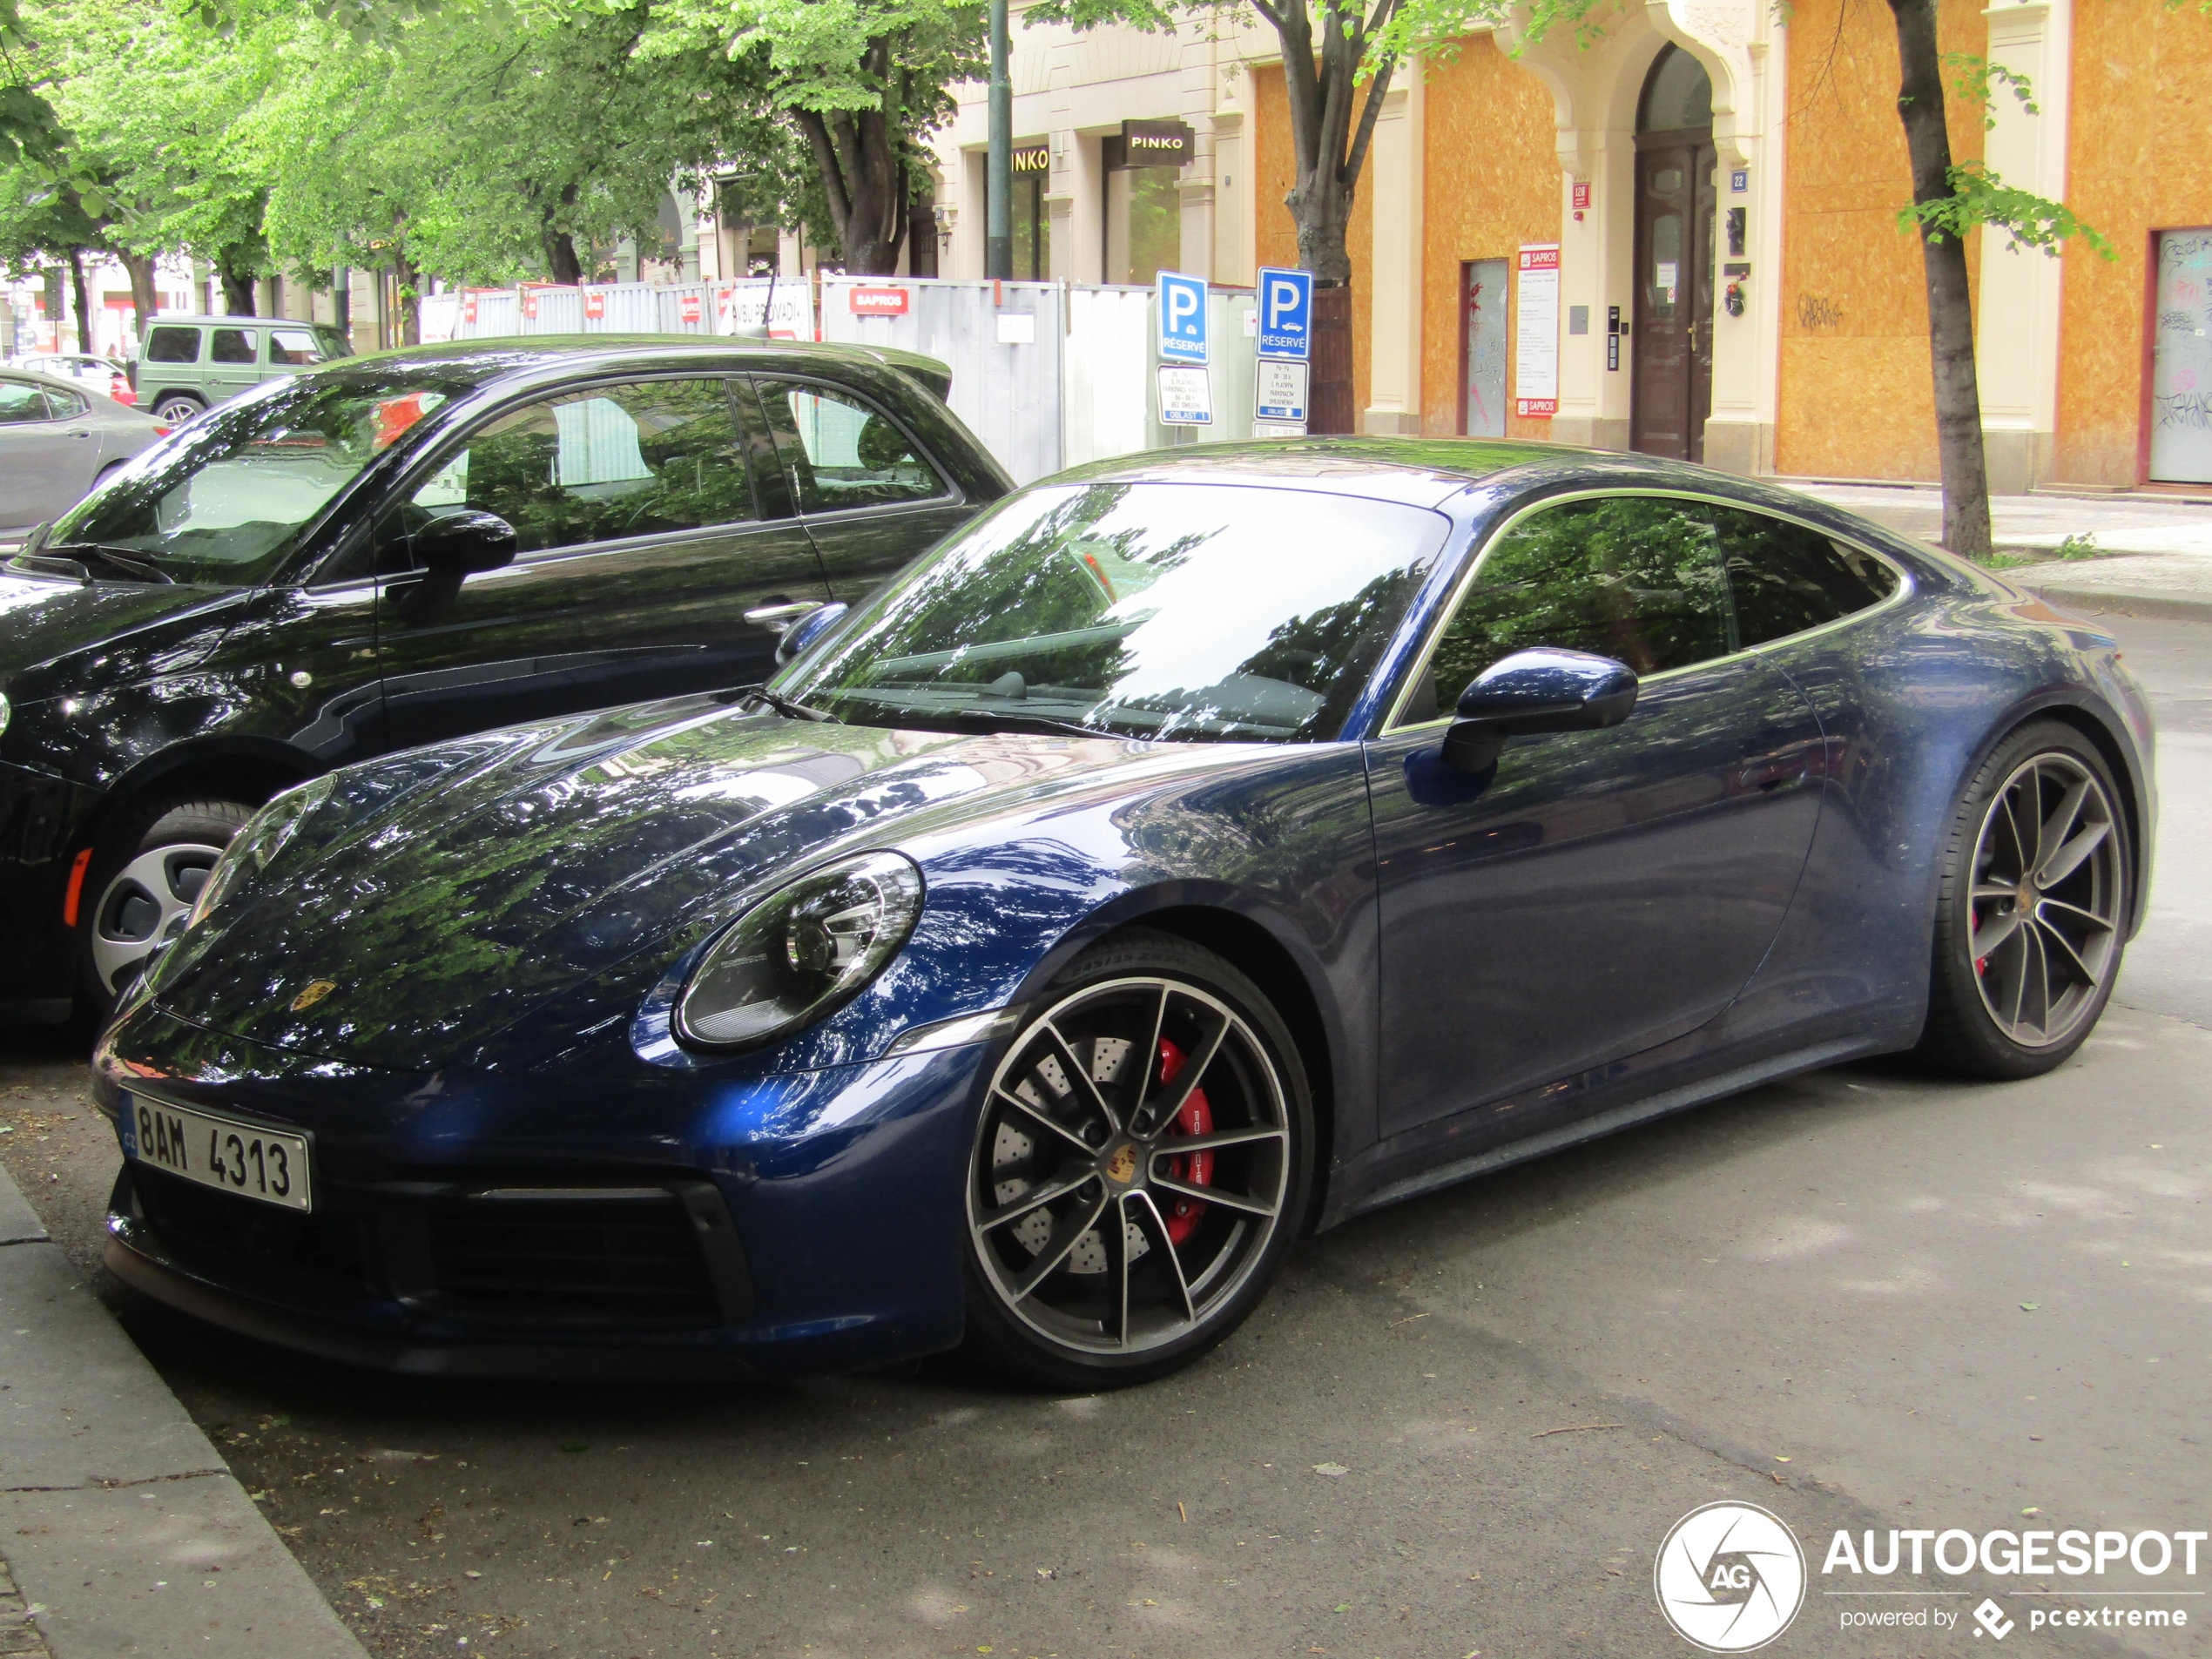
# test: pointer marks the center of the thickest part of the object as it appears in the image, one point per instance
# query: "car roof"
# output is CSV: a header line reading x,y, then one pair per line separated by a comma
x,y
488,360
166,319
1423,472
16,371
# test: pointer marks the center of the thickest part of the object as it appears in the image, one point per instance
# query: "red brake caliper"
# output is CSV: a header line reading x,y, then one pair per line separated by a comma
x,y
1194,1169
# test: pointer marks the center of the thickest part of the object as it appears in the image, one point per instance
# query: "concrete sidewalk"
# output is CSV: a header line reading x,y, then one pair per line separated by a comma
x,y
2150,558
125,1532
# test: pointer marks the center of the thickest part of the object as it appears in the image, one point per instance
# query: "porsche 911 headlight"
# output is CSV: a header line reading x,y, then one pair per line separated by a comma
x,y
260,840
801,952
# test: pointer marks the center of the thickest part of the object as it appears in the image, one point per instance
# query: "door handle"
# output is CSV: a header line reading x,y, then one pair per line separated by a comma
x,y
779,617
80,435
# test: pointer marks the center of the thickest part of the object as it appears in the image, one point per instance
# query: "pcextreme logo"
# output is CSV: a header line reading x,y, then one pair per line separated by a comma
x,y
1729,1577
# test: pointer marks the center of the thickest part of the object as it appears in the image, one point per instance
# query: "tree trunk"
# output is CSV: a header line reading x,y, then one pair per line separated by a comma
x,y
1943,258
410,287
1329,152
561,262
857,152
83,302
146,298
238,288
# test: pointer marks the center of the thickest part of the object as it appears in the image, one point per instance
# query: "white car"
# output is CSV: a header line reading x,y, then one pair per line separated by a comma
x,y
58,441
96,373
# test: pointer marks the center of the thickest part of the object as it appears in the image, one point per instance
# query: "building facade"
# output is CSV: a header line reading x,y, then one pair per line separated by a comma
x,y
1705,193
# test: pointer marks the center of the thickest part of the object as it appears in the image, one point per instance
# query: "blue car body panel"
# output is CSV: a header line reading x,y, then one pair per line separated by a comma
x,y
1475,971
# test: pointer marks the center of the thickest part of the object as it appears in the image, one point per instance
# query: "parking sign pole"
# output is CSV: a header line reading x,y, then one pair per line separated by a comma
x,y
998,168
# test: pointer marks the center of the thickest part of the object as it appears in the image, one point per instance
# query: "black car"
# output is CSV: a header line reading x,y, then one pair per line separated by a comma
x,y
409,547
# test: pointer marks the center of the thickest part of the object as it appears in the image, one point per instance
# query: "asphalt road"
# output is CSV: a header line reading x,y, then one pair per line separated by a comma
x,y
1862,1300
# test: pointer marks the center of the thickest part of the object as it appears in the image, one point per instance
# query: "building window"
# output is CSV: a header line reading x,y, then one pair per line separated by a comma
x,y
1144,209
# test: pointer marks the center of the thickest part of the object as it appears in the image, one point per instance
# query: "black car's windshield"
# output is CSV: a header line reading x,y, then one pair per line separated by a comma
x,y
1150,610
224,500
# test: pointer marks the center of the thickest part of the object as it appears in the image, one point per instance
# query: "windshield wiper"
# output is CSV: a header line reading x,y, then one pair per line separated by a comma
x,y
123,560
790,708
994,720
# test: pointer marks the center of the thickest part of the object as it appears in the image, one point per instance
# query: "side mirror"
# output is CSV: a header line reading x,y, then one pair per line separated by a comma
x,y
800,637
1543,689
464,543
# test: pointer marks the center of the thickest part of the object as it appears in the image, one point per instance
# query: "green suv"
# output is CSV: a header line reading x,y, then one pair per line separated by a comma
x,y
189,364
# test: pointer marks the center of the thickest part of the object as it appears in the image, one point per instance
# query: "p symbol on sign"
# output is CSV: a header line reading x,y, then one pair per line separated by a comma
x,y
1283,308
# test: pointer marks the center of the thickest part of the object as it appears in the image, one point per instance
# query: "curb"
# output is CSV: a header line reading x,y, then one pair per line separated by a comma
x,y
2172,607
124,1532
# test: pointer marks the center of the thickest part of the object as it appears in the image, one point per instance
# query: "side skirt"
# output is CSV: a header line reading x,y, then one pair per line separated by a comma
x,y
1665,1103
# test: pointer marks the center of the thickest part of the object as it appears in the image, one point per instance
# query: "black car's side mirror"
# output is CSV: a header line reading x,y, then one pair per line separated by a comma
x,y
464,543
1544,689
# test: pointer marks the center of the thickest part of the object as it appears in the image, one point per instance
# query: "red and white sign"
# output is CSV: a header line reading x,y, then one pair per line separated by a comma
x,y
1535,376
595,304
689,307
878,303
1582,195
468,308
530,304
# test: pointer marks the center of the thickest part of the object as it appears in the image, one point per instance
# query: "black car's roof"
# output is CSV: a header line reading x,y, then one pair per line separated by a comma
x,y
480,362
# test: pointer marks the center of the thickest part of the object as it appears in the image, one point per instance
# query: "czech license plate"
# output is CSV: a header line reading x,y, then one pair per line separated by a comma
x,y
238,1158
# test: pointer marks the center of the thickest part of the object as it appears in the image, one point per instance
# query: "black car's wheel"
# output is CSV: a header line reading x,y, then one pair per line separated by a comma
x,y
1141,1164
143,877
2032,909
177,408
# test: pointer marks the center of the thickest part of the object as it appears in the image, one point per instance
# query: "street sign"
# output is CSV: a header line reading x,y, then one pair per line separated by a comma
x,y
1186,397
878,303
1285,313
1279,393
1182,318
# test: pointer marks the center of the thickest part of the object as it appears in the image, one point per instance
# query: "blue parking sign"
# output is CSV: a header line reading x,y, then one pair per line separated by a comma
x,y
1285,313
1182,318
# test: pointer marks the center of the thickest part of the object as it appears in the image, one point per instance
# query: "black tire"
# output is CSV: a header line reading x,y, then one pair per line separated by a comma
x,y
145,872
2008,941
176,408
1225,1226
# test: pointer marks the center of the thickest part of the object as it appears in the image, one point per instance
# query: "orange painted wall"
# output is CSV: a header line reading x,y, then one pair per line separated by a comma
x,y
2136,162
1857,398
1493,184
1274,171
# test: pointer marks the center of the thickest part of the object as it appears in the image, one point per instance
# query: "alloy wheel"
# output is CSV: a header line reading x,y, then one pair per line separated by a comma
x,y
2048,890
148,899
1131,1167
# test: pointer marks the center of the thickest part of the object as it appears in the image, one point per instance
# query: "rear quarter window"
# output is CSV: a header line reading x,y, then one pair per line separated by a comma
x,y
173,346
1788,578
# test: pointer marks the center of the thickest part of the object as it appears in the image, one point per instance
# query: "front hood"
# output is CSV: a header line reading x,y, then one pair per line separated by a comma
x,y
445,892
45,618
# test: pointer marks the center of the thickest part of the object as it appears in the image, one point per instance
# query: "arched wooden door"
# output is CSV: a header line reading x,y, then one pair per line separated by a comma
x,y
1670,390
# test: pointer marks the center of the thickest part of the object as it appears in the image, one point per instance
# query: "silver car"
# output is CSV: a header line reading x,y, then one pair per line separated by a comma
x,y
58,441
90,373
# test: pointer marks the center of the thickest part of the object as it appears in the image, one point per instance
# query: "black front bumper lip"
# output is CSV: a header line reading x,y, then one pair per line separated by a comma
x,y
349,1345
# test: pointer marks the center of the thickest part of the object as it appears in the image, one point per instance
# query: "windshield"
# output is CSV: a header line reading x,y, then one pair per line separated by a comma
x,y
1153,610
224,500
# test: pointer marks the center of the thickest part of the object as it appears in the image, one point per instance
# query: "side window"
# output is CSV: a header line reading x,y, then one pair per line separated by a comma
x,y
1787,578
295,346
840,453
232,345
1633,577
21,403
644,459
174,346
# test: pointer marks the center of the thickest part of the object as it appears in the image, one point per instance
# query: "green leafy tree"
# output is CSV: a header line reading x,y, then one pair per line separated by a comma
x,y
859,82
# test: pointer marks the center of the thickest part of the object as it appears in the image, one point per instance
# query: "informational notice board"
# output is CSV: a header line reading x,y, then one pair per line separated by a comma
x,y
2181,380
1535,374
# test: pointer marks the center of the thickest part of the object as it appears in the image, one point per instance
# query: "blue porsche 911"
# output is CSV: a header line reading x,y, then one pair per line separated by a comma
x,y
1195,850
